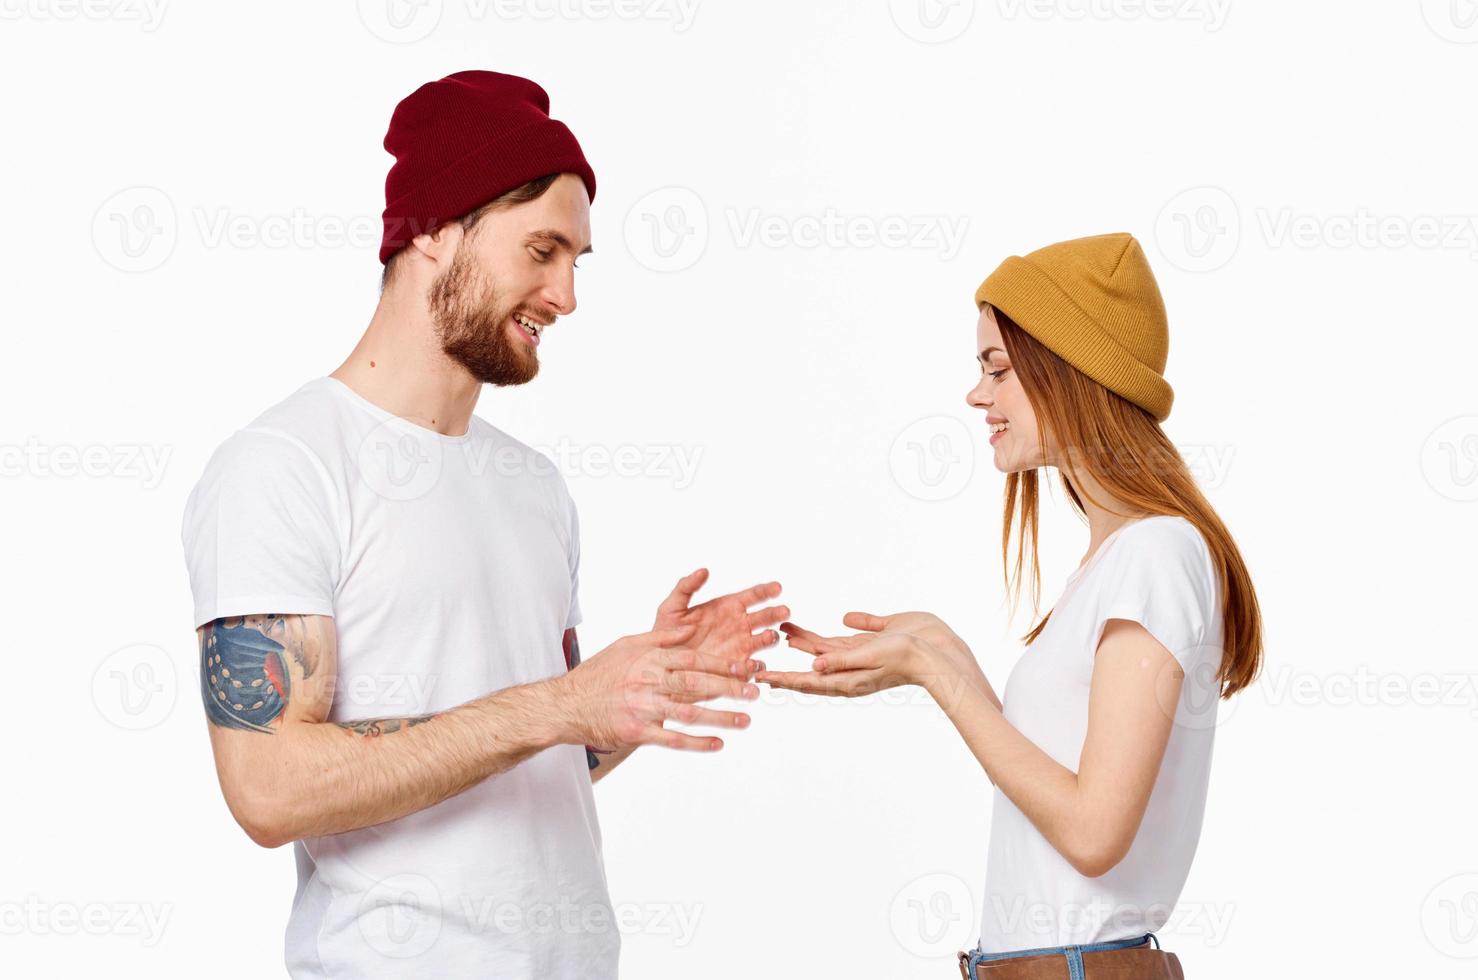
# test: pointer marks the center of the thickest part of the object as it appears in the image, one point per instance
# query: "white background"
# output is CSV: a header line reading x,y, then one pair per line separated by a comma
x,y
191,201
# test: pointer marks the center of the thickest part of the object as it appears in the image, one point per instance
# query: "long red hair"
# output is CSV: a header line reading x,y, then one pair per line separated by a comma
x,y
1124,450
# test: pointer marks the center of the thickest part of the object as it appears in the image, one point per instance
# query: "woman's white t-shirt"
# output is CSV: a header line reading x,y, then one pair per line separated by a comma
x,y
1158,572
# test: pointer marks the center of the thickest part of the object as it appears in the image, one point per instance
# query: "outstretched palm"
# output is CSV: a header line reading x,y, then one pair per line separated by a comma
x,y
723,626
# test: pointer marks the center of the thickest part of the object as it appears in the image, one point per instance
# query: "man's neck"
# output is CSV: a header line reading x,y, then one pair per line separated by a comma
x,y
398,366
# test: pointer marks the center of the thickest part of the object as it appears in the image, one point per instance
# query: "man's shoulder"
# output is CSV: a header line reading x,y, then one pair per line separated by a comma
x,y
299,432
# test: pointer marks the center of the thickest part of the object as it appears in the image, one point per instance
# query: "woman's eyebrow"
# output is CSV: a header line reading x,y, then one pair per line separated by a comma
x,y
985,354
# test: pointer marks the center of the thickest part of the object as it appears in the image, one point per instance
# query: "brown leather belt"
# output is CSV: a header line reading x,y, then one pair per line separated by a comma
x,y
1132,963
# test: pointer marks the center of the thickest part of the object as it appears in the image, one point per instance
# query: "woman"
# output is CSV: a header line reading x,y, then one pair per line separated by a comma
x,y
1101,752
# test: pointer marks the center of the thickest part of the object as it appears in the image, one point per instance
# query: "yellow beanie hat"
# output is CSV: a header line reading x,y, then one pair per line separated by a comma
x,y
1094,303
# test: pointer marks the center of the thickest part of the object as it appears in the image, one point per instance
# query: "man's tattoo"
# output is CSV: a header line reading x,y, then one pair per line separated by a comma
x,y
372,727
243,676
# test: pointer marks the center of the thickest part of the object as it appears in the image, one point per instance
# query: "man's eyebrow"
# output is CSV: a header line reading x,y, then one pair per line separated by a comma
x,y
558,238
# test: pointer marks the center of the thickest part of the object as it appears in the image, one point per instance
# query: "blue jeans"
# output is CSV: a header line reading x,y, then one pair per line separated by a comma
x,y
1074,954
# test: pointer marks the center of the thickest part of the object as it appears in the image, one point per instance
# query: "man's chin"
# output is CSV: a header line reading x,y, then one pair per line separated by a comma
x,y
504,368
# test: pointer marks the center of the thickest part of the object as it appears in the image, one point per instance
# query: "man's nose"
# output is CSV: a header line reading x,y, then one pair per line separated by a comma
x,y
560,293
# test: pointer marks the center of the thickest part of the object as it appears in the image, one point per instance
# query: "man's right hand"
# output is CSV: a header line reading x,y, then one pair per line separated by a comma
x,y
620,697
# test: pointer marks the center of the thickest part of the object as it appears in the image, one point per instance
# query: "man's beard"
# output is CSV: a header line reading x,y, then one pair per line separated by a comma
x,y
472,322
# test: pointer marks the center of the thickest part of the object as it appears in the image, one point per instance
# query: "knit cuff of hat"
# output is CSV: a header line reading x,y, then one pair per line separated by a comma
x,y
1041,308
546,147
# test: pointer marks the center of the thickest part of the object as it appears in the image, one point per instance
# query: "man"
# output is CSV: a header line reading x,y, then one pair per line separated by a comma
x,y
386,593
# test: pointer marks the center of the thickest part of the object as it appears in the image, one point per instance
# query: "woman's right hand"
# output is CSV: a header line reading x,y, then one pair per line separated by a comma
x,y
953,665
926,626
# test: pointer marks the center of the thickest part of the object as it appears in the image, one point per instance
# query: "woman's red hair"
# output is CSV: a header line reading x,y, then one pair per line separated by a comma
x,y
1124,450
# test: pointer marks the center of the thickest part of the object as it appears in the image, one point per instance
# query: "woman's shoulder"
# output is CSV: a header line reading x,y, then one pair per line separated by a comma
x,y
1164,537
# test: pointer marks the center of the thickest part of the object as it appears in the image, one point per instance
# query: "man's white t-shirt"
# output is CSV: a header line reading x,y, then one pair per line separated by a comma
x,y
1158,572
450,567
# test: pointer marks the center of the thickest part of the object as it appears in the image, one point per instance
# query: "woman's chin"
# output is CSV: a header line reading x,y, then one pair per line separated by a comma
x,y
1006,463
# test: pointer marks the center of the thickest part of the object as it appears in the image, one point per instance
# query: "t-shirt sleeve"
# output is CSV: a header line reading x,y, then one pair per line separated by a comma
x,y
260,530
1163,578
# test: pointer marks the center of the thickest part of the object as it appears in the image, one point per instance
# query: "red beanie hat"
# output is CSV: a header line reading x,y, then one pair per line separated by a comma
x,y
463,140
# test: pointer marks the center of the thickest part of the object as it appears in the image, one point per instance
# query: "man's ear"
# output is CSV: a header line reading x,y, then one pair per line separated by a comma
x,y
441,243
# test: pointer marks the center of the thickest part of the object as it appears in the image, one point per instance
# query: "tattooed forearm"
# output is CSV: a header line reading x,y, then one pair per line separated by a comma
x,y
371,727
